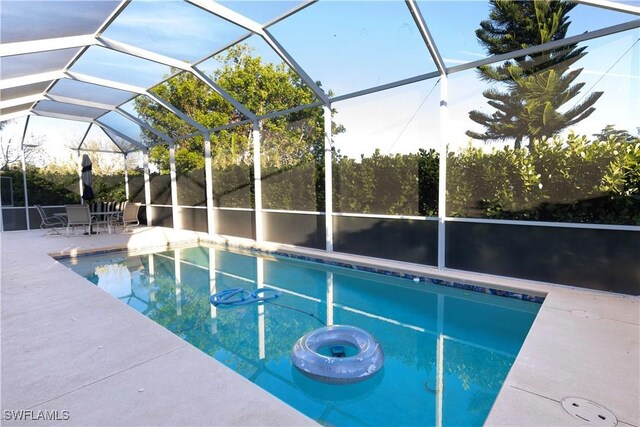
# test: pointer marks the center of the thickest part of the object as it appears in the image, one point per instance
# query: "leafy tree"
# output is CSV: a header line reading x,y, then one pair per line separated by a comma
x,y
537,85
610,131
260,87
10,150
287,142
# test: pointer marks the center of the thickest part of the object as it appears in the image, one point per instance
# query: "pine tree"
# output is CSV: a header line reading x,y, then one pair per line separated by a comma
x,y
537,85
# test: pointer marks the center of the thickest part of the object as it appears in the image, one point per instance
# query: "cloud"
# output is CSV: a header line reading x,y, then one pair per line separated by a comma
x,y
173,28
475,54
464,61
455,61
619,75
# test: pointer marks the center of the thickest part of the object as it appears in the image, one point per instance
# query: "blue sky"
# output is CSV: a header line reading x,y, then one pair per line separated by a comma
x,y
352,45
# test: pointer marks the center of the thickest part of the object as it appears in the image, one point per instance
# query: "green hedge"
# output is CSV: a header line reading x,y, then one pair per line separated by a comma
x,y
564,180
47,188
399,184
570,179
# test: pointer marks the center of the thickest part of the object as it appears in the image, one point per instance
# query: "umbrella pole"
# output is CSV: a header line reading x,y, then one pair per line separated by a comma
x,y
80,178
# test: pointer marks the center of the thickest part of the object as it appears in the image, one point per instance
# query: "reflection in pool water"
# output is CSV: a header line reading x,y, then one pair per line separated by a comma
x,y
115,279
447,351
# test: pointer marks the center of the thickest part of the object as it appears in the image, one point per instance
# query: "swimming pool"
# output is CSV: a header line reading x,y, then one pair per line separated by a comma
x,y
447,351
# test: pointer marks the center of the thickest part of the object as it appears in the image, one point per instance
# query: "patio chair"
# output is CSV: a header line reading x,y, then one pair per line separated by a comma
x,y
79,215
52,224
128,218
100,218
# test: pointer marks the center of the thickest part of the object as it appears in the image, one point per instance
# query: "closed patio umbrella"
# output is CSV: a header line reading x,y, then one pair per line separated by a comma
x,y
87,181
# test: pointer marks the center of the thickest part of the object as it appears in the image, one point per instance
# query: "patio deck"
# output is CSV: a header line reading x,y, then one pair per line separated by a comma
x,y
68,346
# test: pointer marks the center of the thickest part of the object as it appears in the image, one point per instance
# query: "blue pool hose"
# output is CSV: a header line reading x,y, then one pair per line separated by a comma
x,y
235,297
238,296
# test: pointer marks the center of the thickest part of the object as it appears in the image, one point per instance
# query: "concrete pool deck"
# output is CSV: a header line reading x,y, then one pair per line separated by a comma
x,y
69,346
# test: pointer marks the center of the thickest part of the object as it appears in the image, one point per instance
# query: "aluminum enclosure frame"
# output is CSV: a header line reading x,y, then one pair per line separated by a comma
x,y
84,41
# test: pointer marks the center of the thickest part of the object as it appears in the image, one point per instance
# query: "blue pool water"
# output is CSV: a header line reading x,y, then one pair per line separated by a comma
x,y
447,351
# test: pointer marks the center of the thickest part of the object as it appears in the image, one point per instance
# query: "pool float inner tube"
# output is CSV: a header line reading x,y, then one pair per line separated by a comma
x,y
339,368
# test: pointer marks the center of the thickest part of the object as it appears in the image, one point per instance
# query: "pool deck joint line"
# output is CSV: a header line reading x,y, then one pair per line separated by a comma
x,y
77,349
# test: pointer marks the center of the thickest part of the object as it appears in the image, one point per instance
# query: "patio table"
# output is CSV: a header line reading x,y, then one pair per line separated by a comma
x,y
105,217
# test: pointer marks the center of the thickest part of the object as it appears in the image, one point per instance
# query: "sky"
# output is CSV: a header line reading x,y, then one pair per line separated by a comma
x,y
354,45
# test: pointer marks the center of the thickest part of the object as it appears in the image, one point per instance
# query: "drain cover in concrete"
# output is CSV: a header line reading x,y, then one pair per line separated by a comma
x,y
589,411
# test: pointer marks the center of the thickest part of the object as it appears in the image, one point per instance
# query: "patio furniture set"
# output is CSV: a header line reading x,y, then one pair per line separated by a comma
x,y
110,216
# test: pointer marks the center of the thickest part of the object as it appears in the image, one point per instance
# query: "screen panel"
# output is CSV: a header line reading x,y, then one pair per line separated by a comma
x,y
347,55
557,144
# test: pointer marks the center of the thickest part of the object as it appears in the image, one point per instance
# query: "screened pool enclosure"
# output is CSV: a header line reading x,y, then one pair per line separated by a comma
x,y
491,137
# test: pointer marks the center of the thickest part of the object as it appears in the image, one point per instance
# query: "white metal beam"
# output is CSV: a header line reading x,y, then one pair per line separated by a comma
x,y
80,102
113,140
222,49
238,106
174,63
257,182
105,82
143,54
274,21
281,51
78,54
85,136
229,126
614,29
62,116
44,45
120,134
88,103
15,115
24,174
116,12
244,22
615,6
187,136
137,90
442,170
528,223
30,99
288,111
82,42
175,211
79,173
147,186
227,14
49,76
426,35
126,177
175,111
386,86
295,9
89,150
144,125
328,179
208,177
